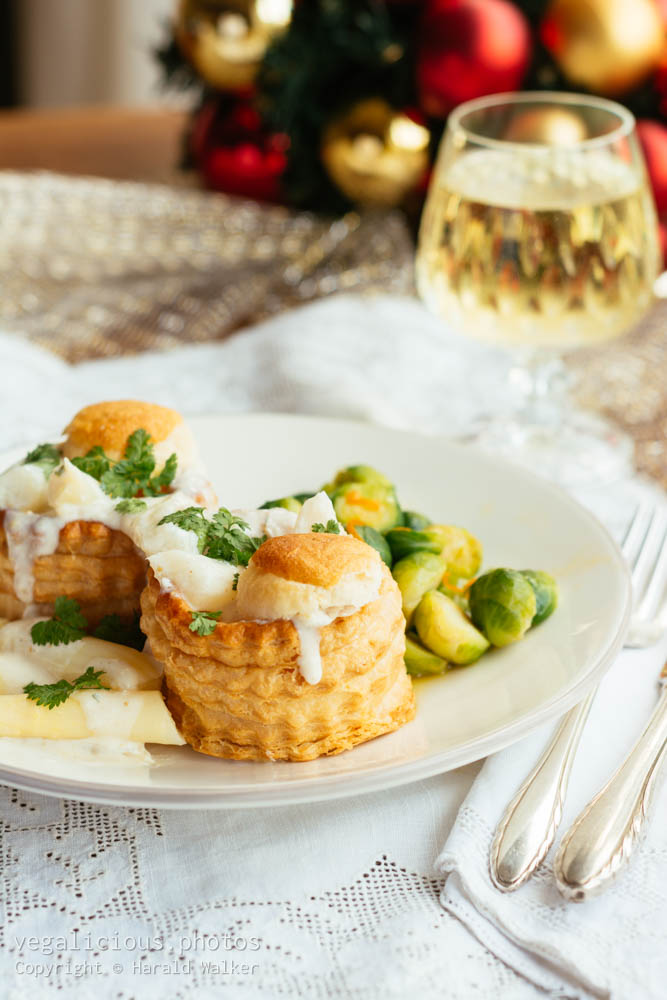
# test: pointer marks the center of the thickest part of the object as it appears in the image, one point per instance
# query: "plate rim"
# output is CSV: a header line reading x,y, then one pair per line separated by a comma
x,y
319,788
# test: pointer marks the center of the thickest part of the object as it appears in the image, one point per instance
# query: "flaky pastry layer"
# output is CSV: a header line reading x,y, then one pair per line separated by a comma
x,y
96,565
238,693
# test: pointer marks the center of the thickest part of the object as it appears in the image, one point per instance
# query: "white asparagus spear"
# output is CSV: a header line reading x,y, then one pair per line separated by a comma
x,y
140,716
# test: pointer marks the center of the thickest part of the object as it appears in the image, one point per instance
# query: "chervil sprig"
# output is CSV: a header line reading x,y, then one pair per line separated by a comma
x,y
52,695
130,506
204,622
67,625
331,527
46,456
133,474
224,536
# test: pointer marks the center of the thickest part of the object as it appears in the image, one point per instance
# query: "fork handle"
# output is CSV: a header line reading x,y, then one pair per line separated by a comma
x,y
528,826
603,836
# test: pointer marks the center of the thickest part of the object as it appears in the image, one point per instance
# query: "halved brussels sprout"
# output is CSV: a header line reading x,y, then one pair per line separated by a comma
x,y
461,551
546,593
403,542
502,605
376,541
419,662
444,629
288,503
415,521
454,592
370,503
415,575
357,474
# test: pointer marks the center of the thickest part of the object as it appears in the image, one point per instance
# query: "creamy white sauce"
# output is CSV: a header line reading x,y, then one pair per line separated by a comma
x,y
17,670
28,537
205,584
21,661
109,714
34,752
310,634
23,487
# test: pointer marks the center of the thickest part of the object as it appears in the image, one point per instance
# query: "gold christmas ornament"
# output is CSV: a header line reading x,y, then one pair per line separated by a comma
x,y
374,154
547,126
225,40
607,46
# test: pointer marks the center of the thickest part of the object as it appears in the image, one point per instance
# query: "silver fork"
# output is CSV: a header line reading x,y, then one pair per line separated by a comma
x,y
529,824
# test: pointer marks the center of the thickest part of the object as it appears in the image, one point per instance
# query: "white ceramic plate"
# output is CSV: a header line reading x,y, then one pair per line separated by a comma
x,y
522,521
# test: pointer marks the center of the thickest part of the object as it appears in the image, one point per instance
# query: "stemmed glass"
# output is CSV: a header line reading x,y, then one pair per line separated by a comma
x,y
539,235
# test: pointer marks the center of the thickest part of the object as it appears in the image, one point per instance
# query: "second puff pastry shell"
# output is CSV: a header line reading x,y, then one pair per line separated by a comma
x,y
239,692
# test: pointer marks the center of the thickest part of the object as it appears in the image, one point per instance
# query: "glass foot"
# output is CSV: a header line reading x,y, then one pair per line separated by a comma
x,y
584,450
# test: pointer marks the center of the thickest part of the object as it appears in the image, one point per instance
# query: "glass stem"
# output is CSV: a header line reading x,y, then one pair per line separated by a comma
x,y
540,383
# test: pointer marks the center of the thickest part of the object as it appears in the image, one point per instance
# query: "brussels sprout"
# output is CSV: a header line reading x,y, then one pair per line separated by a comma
x,y
460,550
415,575
403,542
376,541
455,593
357,474
369,503
444,629
415,521
288,503
420,662
546,593
502,605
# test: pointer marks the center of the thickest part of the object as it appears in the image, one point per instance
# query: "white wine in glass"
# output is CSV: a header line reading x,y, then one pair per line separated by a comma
x,y
541,247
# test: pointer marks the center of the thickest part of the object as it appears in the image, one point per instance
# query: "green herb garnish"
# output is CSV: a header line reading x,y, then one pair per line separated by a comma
x,y
204,622
235,581
133,474
222,537
46,456
67,625
113,629
331,527
52,695
131,506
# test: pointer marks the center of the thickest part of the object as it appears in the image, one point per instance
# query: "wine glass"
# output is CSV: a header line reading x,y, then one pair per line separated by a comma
x,y
539,235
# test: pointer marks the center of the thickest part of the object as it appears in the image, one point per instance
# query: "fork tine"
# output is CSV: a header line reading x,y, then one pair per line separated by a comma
x,y
636,531
646,562
654,596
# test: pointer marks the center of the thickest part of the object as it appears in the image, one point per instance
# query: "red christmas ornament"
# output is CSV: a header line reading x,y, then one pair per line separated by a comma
x,y
235,153
469,48
653,137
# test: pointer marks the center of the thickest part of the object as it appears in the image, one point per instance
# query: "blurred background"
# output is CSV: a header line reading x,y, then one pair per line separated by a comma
x,y
58,53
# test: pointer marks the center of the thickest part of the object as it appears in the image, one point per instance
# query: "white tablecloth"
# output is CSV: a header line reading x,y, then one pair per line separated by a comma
x,y
339,899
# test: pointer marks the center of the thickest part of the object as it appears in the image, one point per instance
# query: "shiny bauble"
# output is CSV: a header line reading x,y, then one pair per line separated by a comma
x,y
375,154
547,126
653,138
606,46
225,40
470,48
236,153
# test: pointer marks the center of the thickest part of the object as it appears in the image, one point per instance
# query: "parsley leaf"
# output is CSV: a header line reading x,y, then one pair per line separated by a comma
x,y
67,625
113,629
204,622
331,527
235,581
46,456
190,519
131,506
52,695
133,474
94,463
223,537
164,478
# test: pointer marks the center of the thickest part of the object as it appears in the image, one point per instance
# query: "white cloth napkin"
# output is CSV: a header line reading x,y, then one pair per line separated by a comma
x,y
383,359
613,945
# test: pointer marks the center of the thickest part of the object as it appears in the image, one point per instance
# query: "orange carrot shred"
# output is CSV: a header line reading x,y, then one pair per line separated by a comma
x,y
352,496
